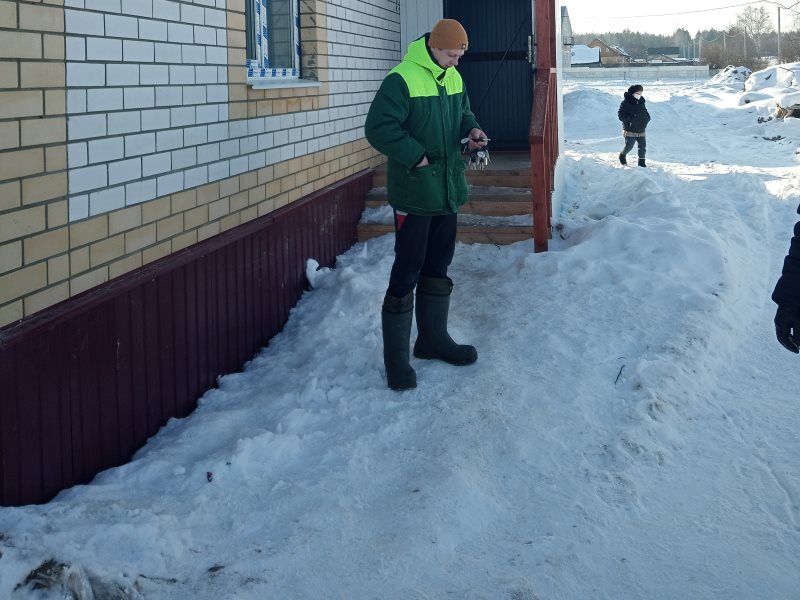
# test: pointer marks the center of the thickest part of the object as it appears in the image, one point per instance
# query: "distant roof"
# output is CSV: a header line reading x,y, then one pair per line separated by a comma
x,y
620,50
664,50
584,55
615,49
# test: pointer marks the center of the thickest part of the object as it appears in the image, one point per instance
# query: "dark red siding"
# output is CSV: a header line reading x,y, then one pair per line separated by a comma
x,y
84,383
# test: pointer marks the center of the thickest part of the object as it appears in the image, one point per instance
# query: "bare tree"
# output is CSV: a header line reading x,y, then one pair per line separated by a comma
x,y
790,48
683,40
718,57
755,22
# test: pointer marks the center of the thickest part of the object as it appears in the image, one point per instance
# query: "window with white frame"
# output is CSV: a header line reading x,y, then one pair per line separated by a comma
x,y
273,40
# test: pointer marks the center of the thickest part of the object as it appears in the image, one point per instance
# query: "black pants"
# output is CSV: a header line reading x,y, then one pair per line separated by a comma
x,y
630,141
422,246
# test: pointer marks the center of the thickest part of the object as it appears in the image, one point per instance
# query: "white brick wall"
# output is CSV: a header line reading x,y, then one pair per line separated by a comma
x,y
167,10
147,97
105,149
121,27
124,170
106,200
155,164
143,143
121,122
87,178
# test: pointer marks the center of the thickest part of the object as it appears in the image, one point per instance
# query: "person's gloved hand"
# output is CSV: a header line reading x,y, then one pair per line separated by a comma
x,y
787,327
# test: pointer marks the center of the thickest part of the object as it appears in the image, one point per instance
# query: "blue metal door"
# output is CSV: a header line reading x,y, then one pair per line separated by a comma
x,y
496,69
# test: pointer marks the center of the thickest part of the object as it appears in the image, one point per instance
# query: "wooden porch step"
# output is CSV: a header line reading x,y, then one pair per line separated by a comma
x,y
490,177
498,202
469,234
497,211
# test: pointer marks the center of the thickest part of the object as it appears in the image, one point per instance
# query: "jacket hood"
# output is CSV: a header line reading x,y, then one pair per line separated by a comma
x,y
418,54
629,97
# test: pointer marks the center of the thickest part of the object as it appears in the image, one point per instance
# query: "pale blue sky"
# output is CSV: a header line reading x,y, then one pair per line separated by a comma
x,y
652,16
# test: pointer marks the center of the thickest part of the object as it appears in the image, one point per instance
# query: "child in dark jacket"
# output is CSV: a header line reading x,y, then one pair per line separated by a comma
x,y
634,117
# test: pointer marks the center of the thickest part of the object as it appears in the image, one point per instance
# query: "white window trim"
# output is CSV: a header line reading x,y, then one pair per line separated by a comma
x,y
272,83
262,75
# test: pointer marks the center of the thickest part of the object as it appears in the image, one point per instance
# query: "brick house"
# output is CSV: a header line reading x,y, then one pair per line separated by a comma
x,y
166,168
610,56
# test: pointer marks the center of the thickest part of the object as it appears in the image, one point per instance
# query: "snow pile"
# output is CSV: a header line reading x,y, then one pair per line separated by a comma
x,y
730,75
380,215
780,84
775,78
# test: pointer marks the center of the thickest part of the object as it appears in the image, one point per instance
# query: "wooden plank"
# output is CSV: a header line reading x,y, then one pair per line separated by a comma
x,y
488,177
499,179
496,235
506,234
497,206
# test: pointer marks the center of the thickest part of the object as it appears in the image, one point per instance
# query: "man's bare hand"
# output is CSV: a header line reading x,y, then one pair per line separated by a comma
x,y
477,139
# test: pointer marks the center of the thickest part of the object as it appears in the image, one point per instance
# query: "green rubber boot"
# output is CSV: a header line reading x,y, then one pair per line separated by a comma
x,y
396,318
433,341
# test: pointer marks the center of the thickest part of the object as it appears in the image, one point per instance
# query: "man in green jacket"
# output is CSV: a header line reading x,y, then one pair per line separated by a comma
x,y
418,118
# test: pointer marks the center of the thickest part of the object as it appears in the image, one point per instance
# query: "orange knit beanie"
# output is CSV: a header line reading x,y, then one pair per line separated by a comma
x,y
448,34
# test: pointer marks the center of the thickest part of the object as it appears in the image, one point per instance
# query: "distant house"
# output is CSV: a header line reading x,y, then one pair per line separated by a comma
x,y
665,51
584,56
610,56
661,59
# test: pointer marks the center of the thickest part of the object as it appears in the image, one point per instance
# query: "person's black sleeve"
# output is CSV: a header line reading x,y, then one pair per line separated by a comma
x,y
787,296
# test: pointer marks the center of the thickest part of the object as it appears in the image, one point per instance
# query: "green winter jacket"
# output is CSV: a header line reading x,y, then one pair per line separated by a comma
x,y
421,110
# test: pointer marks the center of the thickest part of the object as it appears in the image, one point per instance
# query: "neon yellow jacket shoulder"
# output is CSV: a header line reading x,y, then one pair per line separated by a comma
x,y
421,110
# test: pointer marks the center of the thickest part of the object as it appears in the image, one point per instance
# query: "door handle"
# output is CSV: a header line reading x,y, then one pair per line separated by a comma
x,y
531,51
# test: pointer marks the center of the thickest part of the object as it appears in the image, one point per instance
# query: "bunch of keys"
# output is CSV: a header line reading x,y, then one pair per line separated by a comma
x,y
478,158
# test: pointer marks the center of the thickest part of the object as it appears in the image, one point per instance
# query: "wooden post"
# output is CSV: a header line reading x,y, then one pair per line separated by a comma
x,y
543,133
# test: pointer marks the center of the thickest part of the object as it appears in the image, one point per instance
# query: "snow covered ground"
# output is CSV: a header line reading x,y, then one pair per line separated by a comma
x,y
629,431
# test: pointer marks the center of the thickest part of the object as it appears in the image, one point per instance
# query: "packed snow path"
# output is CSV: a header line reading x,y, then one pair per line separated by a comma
x,y
629,430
